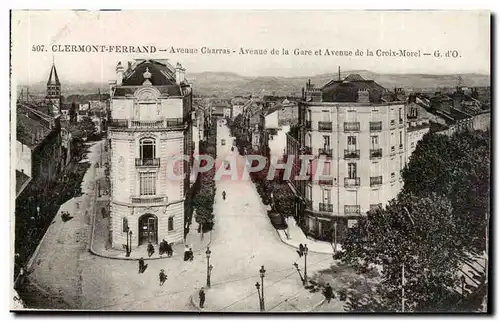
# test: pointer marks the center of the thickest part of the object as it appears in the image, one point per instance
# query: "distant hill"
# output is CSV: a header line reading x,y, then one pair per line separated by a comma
x,y
226,84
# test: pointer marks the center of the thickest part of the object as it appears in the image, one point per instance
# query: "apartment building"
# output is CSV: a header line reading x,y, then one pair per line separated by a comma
x,y
151,115
360,139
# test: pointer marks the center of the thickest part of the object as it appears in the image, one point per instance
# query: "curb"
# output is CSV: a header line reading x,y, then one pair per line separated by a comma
x,y
290,245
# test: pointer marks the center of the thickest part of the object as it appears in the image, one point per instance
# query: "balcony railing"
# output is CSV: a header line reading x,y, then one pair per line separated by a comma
x,y
352,209
351,154
326,181
147,124
400,121
351,182
324,126
376,206
393,149
147,162
400,146
375,153
393,122
376,126
148,199
351,126
327,207
325,151
375,181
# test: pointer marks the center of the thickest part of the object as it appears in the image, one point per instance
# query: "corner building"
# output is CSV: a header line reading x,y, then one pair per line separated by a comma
x,y
360,132
151,104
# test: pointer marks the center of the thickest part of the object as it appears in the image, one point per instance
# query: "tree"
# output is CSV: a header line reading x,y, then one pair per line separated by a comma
x,y
457,168
284,199
409,232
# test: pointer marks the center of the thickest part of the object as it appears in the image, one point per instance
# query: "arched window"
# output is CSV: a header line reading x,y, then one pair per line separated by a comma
x,y
125,225
170,223
147,150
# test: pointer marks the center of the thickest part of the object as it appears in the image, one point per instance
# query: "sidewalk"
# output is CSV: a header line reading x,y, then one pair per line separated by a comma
x,y
296,237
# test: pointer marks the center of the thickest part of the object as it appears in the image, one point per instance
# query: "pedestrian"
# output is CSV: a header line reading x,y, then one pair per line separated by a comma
x,y
163,277
163,247
141,265
191,255
170,251
151,249
202,297
301,250
224,195
186,253
328,292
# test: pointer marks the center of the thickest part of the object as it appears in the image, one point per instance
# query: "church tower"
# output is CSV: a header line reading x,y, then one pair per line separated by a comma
x,y
54,90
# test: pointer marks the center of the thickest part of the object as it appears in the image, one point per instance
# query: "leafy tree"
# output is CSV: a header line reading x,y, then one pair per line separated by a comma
x,y
457,168
284,199
409,232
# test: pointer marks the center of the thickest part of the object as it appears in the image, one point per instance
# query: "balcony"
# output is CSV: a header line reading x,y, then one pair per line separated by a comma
x,y
325,180
393,123
376,126
147,124
351,126
325,151
375,181
376,206
375,153
326,207
393,176
147,162
401,147
351,182
350,154
393,150
325,126
148,200
400,121
352,209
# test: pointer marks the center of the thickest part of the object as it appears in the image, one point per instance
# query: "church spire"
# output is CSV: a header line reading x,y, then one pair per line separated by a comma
x,y
53,78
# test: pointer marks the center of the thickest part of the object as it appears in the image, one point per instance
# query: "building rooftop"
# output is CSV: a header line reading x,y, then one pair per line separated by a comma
x,y
170,90
162,73
346,90
30,130
53,78
21,180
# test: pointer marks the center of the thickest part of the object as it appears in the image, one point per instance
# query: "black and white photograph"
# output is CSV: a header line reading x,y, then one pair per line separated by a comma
x,y
250,161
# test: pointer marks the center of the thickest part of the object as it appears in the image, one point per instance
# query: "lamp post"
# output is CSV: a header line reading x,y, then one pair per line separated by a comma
x,y
305,264
257,285
335,237
298,271
262,272
129,244
209,267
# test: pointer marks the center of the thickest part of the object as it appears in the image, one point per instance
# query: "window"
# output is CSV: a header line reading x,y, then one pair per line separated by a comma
x,y
375,142
400,115
326,194
400,137
328,169
148,183
326,141
351,116
308,140
400,162
125,225
308,116
308,192
170,223
351,141
352,170
147,150
326,116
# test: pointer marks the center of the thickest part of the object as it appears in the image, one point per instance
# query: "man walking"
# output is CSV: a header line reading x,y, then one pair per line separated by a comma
x,y
163,277
328,292
141,265
202,297
223,195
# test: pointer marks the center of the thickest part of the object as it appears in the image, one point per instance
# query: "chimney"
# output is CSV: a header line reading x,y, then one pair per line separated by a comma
x,y
178,73
363,96
119,73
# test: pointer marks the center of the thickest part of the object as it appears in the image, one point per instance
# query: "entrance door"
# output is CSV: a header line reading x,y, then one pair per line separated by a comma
x,y
148,229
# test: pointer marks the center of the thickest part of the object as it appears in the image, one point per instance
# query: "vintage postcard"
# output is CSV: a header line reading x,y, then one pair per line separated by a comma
x,y
250,161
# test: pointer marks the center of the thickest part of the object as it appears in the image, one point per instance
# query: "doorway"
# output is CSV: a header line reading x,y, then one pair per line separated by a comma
x,y
148,229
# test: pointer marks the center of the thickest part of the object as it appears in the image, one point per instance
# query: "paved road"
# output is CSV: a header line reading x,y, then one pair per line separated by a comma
x,y
242,241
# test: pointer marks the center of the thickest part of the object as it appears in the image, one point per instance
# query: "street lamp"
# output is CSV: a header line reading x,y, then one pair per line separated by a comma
x,y
305,263
129,245
209,267
257,285
262,272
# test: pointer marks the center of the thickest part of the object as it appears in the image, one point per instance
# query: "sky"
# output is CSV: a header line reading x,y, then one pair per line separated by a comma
x,y
467,32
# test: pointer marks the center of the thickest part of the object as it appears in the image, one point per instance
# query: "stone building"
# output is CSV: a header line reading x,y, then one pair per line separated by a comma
x,y
151,106
362,140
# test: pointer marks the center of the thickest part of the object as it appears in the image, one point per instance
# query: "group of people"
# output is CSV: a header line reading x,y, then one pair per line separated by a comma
x,y
143,266
188,254
166,248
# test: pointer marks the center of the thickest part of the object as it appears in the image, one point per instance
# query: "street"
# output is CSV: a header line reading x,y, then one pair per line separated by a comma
x,y
243,239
